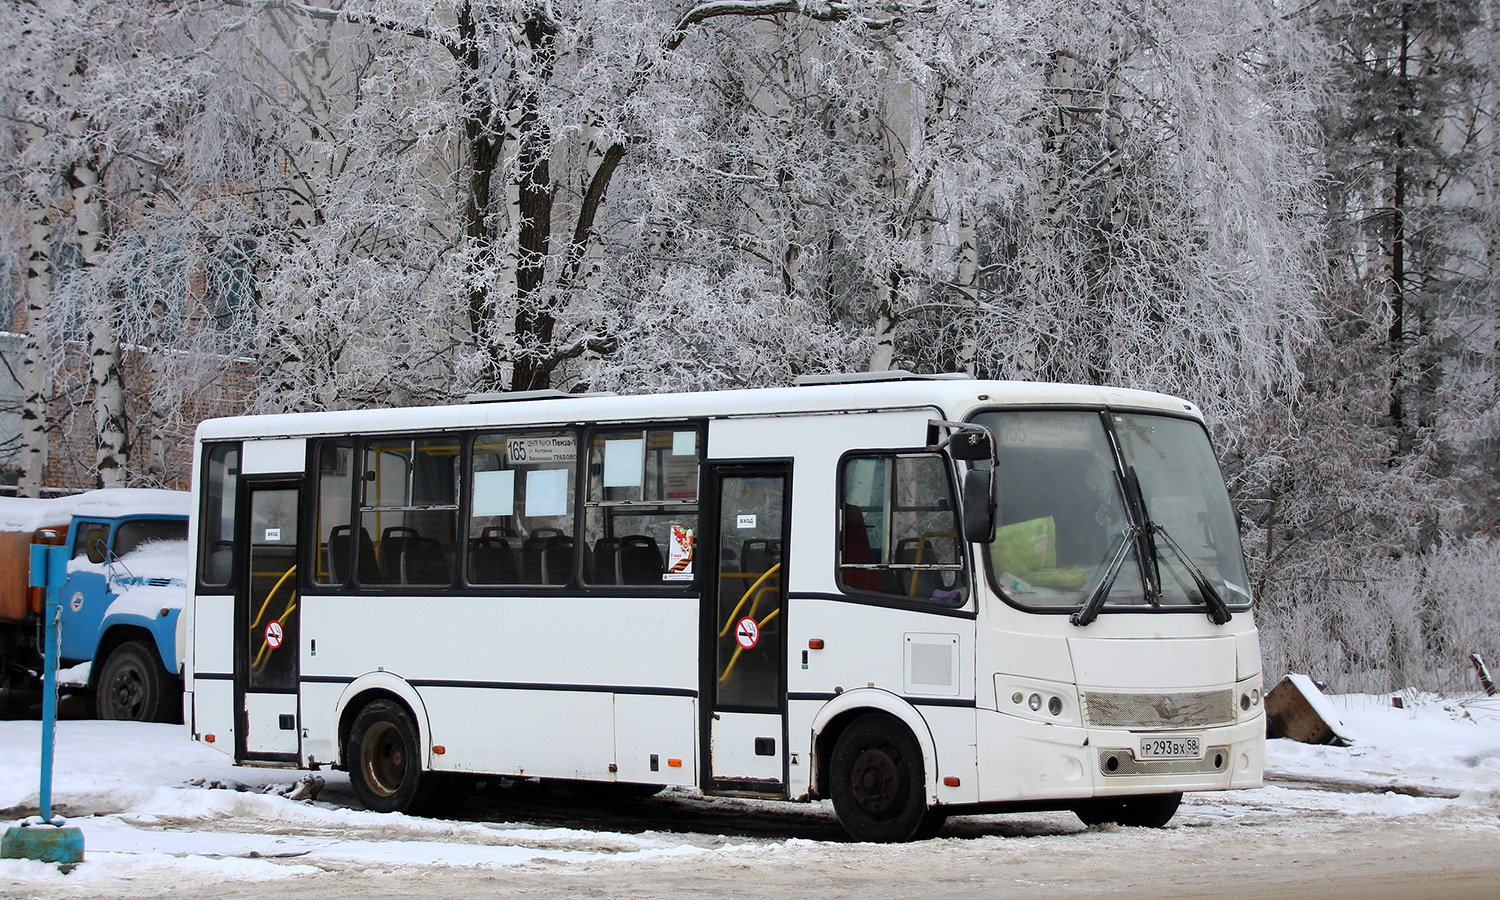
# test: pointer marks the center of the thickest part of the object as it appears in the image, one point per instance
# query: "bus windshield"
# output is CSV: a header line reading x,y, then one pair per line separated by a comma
x,y
1070,520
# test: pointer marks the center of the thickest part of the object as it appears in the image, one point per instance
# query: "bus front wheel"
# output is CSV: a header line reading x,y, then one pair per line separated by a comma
x,y
879,782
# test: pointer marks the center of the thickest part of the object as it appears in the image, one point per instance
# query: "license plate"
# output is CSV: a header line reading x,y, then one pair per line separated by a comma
x,y
1174,747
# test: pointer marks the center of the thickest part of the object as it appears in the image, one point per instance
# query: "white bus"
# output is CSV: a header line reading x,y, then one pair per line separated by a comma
x,y
916,596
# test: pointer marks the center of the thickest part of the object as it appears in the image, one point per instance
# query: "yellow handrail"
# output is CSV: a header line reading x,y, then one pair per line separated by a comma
x,y
262,655
738,606
922,545
740,648
274,588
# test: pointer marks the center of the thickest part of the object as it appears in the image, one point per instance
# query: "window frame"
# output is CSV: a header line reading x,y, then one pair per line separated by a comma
x,y
876,597
586,503
1118,464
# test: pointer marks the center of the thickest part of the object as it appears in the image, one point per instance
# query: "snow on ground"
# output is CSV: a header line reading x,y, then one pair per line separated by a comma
x,y
155,807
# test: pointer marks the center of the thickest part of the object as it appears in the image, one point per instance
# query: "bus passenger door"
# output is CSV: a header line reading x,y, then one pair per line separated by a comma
x,y
266,623
744,632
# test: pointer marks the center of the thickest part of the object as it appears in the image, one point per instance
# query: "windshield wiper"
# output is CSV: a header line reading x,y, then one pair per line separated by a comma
x,y
1089,611
1218,610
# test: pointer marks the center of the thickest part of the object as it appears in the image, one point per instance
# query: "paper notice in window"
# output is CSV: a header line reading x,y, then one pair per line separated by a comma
x,y
680,555
624,462
547,492
494,493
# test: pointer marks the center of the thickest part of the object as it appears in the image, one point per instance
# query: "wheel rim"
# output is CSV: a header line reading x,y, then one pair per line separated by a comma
x,y
126,692
383,759
879,782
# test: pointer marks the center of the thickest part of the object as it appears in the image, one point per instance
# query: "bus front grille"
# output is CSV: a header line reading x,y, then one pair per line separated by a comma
x,y
1184,709
1123,762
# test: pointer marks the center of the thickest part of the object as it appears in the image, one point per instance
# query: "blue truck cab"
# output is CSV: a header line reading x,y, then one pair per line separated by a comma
x,y
118,579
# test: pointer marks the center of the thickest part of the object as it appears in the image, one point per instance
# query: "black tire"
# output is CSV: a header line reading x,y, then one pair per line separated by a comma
x,y
879,782
384,759
1145,811
133,685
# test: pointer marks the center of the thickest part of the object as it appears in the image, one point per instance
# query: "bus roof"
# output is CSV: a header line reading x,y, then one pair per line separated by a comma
x,y
951,397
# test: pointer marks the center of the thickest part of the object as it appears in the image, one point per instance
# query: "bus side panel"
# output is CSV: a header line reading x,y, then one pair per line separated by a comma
x,y
213,712
212,636
661,727
867,646
522,685
547,734
212,655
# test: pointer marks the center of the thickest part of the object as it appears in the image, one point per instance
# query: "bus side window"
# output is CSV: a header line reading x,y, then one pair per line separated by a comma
x,y
335,562
221,471
899,529
521,521
641,510
410,510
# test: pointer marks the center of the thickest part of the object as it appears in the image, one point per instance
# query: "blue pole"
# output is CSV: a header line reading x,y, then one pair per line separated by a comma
x,y
53,640
51,840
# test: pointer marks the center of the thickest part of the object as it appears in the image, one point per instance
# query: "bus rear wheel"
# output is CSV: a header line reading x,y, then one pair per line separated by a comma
x,y
1145,811
134,686
879,782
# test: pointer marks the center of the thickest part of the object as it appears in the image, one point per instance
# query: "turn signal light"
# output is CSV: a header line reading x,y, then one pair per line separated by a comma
x,y
439,749
208,739
815,644
674,763
950,781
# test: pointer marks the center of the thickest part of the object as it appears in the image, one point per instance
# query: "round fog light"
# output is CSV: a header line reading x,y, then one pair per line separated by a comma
x,y
1034,701
1245,702
1054,706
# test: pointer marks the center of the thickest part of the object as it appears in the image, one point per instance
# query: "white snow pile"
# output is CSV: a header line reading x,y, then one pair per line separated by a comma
x,y
26,514
155,807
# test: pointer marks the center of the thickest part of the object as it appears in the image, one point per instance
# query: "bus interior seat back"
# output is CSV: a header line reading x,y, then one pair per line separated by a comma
x,y
338,556
491,560
759,554
916,551
392,545
640,560
424,561
220,561
547,557
603,563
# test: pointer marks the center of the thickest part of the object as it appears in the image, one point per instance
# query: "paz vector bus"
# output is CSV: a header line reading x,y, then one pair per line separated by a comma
x,y
917,596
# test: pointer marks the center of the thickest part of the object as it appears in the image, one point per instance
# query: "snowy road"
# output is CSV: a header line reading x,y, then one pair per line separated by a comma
x,y
1416,812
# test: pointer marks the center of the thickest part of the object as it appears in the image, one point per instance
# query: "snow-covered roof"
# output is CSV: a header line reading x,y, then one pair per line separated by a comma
x,y
26,514
954,397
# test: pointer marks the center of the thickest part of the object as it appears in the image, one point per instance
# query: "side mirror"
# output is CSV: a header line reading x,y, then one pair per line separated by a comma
x,y
97,551
979,505
972,445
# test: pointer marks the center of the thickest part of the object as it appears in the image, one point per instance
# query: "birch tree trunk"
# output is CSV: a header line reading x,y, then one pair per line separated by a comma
x,y
112,455
37,360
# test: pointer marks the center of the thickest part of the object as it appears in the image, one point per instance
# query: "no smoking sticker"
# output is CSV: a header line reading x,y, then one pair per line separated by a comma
x,y
747,633
274,635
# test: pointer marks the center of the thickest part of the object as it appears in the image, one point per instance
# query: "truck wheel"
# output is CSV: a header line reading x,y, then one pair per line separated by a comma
x,y
133,685
1145,811
879,782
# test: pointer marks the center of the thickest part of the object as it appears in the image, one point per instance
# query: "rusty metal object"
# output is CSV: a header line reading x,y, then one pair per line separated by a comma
x,y
1292,713
1483,671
